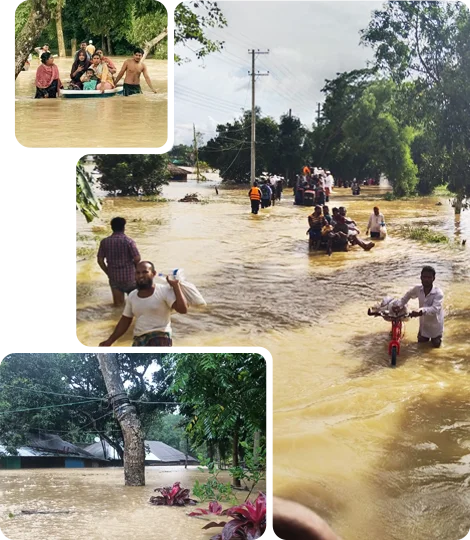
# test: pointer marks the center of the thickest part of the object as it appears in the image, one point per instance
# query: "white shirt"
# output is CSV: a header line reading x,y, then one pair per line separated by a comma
x,y
153,314
375,222
329,182
431,323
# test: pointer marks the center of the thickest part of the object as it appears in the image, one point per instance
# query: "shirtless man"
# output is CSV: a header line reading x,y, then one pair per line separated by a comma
x,y
134,68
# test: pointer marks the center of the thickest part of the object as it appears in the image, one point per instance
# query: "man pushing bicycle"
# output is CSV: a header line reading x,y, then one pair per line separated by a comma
x,y
431,312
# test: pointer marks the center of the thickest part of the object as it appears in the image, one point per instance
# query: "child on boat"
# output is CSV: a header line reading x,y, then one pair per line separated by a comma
x,y
89,79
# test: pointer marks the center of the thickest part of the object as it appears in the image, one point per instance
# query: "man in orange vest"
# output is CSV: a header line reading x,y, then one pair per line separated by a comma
x,y
255,198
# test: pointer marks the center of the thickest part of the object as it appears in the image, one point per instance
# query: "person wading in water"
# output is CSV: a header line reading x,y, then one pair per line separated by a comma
x,y
255,198
118,256
134,68
151,306
431,312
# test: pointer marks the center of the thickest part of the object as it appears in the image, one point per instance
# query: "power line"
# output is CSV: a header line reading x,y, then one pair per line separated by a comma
x,y
52,393
48,407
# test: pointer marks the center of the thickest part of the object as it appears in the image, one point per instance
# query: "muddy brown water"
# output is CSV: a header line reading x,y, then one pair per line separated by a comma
x,y
138,121
94,504
381,453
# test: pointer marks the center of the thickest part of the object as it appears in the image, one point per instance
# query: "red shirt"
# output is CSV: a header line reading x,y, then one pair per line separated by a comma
x,y
119,251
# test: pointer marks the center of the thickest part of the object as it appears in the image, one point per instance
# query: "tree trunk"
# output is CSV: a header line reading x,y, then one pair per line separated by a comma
x,y
256,438
126,415
103,45
60,30
38,20
110,48
154,42
458,202
73,44
236,481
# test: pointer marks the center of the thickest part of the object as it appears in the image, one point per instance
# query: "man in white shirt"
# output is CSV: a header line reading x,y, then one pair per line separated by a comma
x,y
151,306
376,221
431,312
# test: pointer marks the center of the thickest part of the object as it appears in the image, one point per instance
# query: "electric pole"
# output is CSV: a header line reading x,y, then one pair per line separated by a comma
x,y
318,113
253,74
196,151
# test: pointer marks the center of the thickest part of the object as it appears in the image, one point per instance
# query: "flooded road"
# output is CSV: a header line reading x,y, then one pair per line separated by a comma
x,y
381,453
96,503
135,121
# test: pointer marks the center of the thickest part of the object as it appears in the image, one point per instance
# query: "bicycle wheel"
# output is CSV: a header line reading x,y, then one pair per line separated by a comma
x,y
394,355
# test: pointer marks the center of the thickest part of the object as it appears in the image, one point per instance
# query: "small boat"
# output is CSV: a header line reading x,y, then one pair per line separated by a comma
x,y
92,93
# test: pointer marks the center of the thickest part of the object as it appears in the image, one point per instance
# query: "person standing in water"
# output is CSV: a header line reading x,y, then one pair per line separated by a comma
x,y
118,256
134,68
151,306
431,312
376,221
255,198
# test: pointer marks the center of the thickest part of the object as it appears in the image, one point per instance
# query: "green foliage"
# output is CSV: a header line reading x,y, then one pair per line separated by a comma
x,y
126,174
424,234
21,16
87,202
213,489
142,28
254,469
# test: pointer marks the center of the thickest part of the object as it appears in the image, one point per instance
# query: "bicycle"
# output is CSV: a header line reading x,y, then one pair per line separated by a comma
x,y
398,330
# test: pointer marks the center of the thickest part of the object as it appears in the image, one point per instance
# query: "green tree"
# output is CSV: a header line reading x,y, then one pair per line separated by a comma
x,y
224,394
290,150
126,174
372,129
86,200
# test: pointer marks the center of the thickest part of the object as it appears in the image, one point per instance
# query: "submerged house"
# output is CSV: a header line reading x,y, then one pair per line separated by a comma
x,y
177,174
46,451
156,453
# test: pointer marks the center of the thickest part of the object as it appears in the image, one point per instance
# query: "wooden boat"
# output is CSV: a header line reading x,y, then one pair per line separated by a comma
x,y
91,93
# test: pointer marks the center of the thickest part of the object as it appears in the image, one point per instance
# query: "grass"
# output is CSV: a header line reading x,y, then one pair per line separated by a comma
x,y
85,252
153,198
424,234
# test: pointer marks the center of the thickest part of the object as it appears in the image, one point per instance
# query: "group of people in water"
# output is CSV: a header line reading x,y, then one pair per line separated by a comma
x,y
313,187
337,231
91,70
265,194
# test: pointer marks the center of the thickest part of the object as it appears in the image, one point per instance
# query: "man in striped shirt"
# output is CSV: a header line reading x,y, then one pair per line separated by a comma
x,y
118,256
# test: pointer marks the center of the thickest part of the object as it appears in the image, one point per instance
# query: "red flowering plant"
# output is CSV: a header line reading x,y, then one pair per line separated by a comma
x,y
172,496
215,509
248,521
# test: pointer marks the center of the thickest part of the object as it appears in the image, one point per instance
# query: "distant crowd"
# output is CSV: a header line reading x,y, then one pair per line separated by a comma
x,y
265,194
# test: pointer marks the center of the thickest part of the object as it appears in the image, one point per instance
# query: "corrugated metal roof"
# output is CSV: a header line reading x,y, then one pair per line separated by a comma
x,y
154,451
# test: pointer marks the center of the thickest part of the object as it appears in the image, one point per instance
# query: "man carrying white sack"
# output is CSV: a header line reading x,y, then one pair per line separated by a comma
x,y
151,305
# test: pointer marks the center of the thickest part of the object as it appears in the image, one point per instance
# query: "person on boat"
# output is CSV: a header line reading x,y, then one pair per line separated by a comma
x,y
79,68
89,80
376,221
326,214
102,73
134,68
90,48
431,311
48,83
316,222
117,257
339,236
151,305
112,68
255,198
354,232
82,49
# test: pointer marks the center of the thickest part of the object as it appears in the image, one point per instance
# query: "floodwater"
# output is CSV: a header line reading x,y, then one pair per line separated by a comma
x,y
381,453
135,121
96,505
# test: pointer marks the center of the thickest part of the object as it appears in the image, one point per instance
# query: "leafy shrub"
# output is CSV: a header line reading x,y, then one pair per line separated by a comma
x,y
172,496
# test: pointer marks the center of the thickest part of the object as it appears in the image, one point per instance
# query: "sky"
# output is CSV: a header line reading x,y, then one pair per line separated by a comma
x,y
308,42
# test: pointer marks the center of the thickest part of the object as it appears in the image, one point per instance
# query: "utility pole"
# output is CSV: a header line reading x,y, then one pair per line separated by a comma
x,y
253,74
196,152
318,113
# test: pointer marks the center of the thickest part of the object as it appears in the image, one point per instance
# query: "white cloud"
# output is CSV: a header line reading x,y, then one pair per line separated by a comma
x,y
308,42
